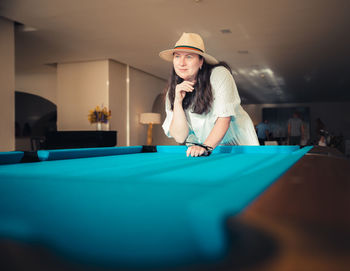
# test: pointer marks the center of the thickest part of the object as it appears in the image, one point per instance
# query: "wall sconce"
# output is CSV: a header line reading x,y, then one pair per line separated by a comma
x,y
150,119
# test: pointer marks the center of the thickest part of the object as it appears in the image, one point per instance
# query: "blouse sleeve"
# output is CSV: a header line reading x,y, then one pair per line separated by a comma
x,y
168,118
225,94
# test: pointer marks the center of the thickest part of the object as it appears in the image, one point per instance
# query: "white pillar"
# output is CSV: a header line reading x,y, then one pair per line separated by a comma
x,y
7,86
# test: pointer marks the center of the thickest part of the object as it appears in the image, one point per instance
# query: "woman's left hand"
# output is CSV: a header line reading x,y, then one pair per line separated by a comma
x,y
195,151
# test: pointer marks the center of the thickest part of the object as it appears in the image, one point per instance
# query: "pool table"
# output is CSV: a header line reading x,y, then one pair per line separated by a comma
x,y
137,206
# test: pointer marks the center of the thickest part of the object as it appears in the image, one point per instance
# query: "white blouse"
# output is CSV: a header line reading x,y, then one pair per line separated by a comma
x,y
226,103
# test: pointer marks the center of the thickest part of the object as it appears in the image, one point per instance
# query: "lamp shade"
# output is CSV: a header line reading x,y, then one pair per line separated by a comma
x,y
150,118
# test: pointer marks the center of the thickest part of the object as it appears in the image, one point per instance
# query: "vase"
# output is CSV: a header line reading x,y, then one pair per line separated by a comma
x,y
98,126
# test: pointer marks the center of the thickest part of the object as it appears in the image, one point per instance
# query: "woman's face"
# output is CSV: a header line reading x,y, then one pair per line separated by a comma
x,y
186,65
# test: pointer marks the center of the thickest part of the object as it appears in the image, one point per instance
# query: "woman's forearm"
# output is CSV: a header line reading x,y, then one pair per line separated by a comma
x,y
218,132
179,127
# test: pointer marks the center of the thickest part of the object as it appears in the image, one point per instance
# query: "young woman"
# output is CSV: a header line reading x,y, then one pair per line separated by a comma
x,y
202,102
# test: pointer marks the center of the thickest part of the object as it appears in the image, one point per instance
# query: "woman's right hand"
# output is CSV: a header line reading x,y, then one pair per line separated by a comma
x,y
181,90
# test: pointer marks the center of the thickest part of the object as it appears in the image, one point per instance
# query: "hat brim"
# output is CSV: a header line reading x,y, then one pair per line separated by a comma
x,y
169,54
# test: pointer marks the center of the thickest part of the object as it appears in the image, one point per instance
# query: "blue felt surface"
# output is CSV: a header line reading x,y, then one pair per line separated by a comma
x,y
141,209
10,157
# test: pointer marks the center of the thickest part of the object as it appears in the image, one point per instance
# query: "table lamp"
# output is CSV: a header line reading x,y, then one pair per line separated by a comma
x,y
150,119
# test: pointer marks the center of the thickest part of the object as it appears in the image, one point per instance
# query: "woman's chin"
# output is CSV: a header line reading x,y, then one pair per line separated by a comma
x,y
182,76
188,78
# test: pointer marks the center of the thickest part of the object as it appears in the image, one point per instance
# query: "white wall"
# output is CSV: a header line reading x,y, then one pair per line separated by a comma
x,y
158,132
144,89
78,87
81,86
7,85
38,80
117,100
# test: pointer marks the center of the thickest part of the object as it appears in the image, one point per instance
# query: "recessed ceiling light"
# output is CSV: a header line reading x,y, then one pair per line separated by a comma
x,y
226,31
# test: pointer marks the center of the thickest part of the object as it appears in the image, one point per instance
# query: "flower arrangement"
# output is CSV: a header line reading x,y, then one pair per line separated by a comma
x,y
99,115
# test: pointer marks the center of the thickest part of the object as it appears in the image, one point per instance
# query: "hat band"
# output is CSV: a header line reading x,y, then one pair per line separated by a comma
x,y
188,47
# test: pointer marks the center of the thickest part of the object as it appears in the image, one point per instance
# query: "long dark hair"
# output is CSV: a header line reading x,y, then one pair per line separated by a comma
x,y
201,98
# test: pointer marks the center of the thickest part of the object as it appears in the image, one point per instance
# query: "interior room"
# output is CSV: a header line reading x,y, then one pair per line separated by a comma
x,y
64,62
79,56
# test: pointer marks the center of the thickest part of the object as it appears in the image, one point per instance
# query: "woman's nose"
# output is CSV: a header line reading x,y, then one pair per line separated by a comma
x,y
182,61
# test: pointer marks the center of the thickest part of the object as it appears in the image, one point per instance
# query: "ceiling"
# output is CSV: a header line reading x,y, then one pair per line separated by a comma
x,y
281,51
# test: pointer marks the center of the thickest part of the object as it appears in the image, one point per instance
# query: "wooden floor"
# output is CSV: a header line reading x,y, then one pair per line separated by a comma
x,y
302,222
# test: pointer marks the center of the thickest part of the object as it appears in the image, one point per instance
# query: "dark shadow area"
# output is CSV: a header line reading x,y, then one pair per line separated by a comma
x,y
249,247
35,116
278,122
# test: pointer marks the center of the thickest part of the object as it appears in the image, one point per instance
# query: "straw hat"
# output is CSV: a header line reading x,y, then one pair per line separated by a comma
x,y
190,43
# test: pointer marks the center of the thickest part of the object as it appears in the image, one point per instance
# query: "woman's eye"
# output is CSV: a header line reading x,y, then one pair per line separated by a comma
x,y
189,57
